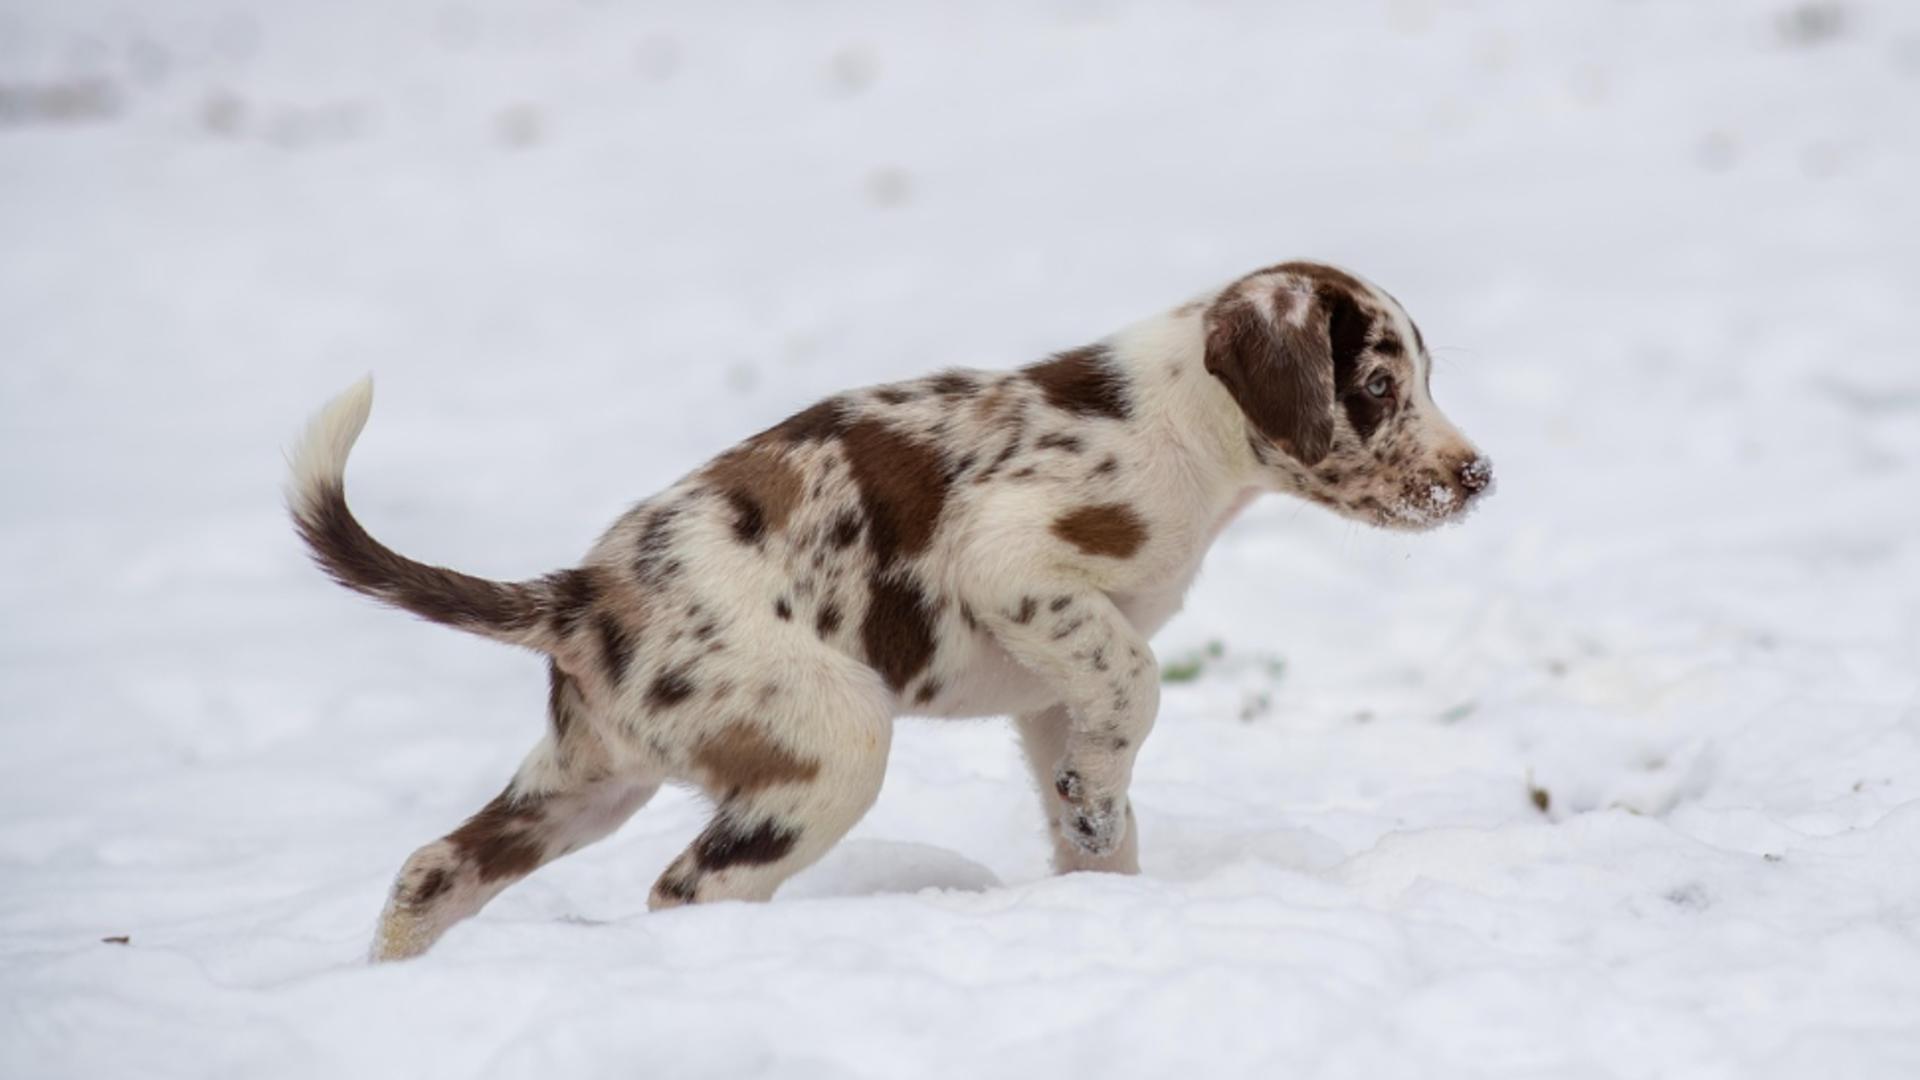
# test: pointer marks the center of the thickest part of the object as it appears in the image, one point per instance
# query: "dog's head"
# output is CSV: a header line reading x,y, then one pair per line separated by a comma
x,y
1333,378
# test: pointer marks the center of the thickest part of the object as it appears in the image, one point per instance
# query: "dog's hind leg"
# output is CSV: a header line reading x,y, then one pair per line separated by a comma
x,y
789,788
512,836
563,798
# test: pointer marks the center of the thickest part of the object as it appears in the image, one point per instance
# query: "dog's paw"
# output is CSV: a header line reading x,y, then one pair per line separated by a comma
x,y
1093,823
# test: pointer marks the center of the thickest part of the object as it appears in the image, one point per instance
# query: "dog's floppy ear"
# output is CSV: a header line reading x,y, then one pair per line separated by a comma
x,y
1271,344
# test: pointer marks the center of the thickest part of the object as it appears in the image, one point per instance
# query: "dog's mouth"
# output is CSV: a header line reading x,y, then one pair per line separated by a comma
x,y
1429,503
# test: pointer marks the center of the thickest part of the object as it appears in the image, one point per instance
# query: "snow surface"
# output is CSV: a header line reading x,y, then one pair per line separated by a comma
x,y
1621,778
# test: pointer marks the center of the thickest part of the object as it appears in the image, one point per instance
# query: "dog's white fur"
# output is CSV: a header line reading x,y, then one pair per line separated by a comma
x,y
968,544
320,457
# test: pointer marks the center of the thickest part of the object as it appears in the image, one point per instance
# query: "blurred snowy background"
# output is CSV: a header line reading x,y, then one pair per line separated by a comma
x,y
1620,779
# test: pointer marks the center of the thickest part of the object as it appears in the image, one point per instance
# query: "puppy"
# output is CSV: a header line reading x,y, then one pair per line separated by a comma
x,y
971,543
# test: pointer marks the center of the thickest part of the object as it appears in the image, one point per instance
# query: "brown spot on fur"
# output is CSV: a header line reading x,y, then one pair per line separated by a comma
x,y
1017,429
782,610
903,487
1083,381
897,632
652,557
846,530
1028,606
725,843
765,475
1110,529
828,621
676,887
616,646
953,384
759,473
990,403
740,758
1108,464
559,701
928,691
1068,443
749,524
814,424
893,395
670,688
436,882
499,840
573,592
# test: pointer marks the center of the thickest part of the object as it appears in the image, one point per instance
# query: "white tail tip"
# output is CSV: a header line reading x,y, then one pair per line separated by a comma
x,y
319,459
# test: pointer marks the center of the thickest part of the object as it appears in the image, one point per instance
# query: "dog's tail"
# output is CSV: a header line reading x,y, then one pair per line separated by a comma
x,y
528,614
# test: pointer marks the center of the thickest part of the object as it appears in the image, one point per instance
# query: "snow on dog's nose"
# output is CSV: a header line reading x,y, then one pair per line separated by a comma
x,y
1475,475
1445,493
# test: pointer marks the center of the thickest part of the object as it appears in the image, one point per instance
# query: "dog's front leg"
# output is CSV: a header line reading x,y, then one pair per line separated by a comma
x,y
1105,675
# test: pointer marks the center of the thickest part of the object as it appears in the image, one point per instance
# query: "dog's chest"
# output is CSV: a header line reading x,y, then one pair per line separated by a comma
x,y
984,680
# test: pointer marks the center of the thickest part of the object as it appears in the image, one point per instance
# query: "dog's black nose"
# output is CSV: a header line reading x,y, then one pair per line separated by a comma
x,y
1476,475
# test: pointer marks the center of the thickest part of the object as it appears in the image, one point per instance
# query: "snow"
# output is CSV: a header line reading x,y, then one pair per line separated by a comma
x,y
1620,778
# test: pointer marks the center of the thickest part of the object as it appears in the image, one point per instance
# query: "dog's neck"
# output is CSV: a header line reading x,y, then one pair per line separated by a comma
x,y
1200,436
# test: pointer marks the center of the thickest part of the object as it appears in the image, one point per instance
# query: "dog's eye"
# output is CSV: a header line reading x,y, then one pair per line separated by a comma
x,y
1379,385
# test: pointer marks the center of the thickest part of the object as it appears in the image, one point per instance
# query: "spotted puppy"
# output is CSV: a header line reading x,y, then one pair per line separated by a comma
x,y
972,543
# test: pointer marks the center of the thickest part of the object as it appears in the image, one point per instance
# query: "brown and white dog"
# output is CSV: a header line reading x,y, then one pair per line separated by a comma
x,y
972,543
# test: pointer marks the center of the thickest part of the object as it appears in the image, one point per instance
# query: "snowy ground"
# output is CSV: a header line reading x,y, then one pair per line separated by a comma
x,y
1620,779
